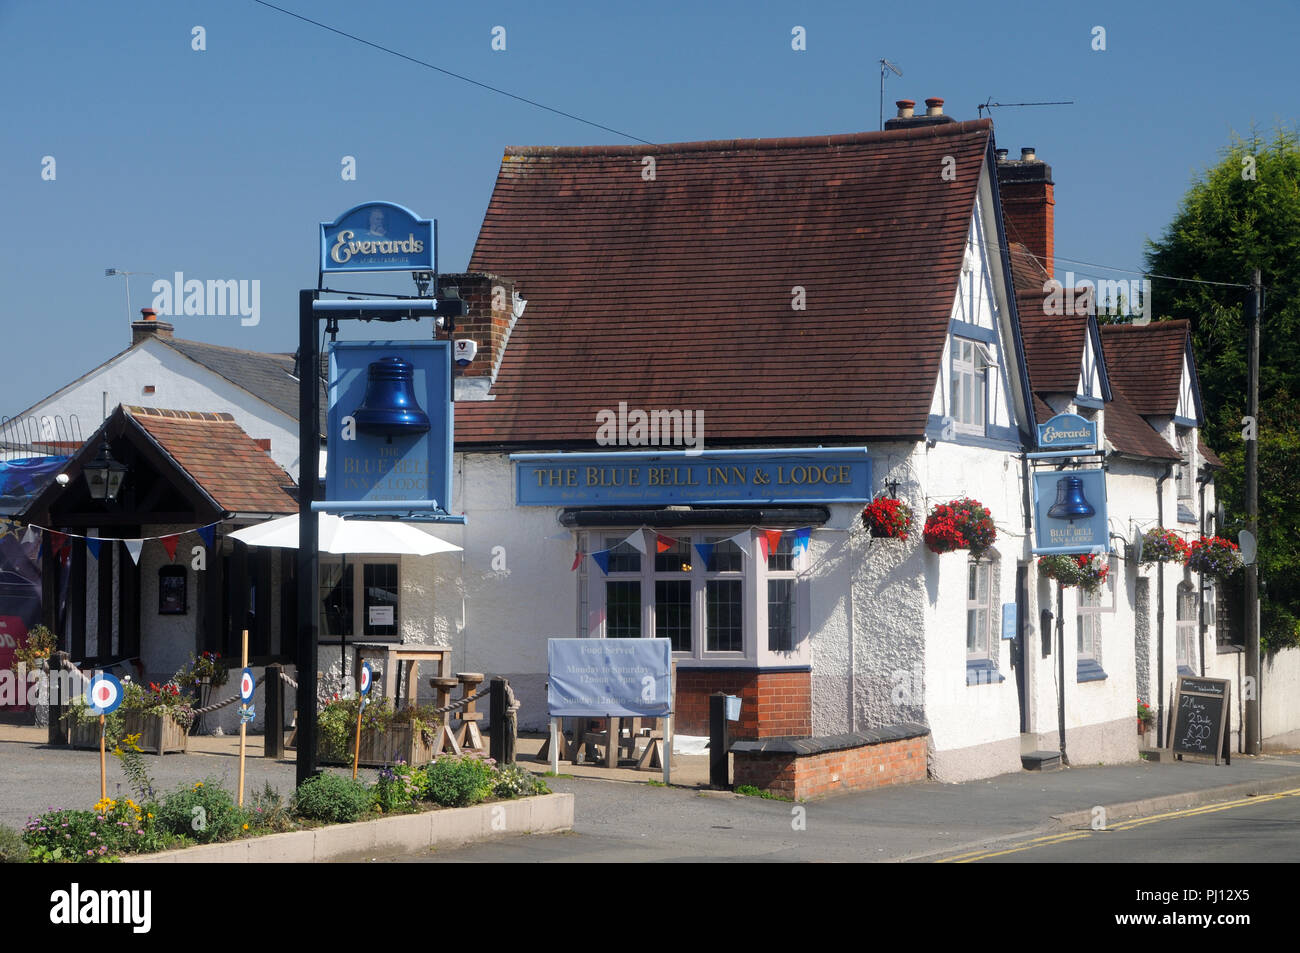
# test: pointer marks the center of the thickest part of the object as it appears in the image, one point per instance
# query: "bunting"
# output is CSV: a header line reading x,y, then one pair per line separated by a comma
x,y
169,544
706,552
637,541
93,544
767,543
208,534
773,537
601,559
663,543
577,560
800,544
133,547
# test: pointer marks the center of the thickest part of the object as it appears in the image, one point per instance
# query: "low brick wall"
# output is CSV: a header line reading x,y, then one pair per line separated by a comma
x,y
803,768
773,704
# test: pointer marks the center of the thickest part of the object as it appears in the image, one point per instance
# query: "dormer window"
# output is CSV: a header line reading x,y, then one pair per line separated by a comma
x,y
969,381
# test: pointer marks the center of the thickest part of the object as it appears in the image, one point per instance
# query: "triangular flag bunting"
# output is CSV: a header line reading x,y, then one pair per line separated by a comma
x,y
577,560
602,560
800,544
169,544
762,545
637,541
741,541
133,547
208,534
706,553
93,545
663,543
32,534
773,537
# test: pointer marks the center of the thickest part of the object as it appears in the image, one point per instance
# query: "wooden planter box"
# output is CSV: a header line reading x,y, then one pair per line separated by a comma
x,y
379,748
158,734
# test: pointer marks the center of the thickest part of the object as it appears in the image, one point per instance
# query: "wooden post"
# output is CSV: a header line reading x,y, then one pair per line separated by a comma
x,y
273,699
243,725
497,721
356,750
556,735
103,767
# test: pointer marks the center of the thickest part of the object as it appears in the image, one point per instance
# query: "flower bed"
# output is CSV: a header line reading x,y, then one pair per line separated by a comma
x,y
962,524
1087,571
888,518
206,813
1214,556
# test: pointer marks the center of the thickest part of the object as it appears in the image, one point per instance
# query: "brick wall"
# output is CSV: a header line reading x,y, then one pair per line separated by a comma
x,y
850,769
773,704
488,322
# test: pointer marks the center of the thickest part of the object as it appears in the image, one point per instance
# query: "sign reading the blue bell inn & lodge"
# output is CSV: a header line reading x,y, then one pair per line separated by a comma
x,y
377,236
807,475
390,423
1070,512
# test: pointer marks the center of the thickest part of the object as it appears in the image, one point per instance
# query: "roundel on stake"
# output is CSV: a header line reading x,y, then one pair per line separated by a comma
x,y
104,694
365,678
246,685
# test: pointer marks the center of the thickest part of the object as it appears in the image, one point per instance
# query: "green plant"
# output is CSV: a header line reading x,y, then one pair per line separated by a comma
x,y
12,848
40,644
1145,712
205,812
399,787
459,782
331,797
207,666
1086,571
131,756
112,827
336,723
514,781
267,813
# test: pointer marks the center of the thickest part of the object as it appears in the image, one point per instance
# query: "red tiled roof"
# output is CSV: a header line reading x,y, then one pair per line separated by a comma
x,y
220,457
1054,343
1129,433
1212,459
1146,362
676,293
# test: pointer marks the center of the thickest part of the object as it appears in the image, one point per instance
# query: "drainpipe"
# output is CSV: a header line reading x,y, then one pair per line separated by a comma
x,y
1160,614
1060,663
1202,478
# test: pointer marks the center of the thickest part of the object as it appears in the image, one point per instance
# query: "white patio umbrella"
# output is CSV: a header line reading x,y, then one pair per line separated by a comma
x,y
338,535
342,536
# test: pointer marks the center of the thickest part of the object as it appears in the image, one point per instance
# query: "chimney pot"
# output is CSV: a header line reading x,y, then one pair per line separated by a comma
x,y
905,108
148,314
1002,155
149,326
1027,154
934,106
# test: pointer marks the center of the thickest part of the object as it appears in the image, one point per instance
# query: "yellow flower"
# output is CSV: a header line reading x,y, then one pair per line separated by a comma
x,y
245,827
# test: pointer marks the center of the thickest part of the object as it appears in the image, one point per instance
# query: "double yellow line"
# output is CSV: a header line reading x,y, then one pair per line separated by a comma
x,y
1050,839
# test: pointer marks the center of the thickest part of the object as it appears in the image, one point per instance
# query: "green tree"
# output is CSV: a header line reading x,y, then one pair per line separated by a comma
x,y
1241,214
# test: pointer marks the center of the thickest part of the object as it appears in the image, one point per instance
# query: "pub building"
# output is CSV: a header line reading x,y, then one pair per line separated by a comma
x,y
690,383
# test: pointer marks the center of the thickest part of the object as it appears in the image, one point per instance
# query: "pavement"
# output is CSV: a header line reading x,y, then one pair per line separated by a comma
x,y
621,816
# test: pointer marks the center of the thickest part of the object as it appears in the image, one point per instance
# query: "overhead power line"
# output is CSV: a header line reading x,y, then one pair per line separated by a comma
x,y
447,72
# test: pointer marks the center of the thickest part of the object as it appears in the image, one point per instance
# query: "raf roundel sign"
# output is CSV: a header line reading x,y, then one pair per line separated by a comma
x,y
246,685
104,694
365,678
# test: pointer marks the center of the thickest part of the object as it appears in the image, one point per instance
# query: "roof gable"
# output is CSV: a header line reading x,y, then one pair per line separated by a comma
x,y
729,277
1152,364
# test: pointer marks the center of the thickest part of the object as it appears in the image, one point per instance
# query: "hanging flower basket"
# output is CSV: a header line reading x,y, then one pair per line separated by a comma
x,y
1162,545
961,524
1214,556
1146,717
1087,571
888,519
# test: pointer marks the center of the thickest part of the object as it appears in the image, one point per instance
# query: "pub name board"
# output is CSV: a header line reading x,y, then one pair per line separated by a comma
x,y
718,477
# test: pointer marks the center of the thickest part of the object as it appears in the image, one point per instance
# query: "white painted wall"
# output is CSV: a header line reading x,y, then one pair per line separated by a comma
x,y
180,384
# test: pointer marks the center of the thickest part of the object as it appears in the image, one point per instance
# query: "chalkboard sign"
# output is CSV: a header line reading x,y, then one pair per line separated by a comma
x,y
1200,718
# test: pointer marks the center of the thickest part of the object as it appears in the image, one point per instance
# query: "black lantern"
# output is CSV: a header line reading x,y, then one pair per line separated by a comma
x,y
104,475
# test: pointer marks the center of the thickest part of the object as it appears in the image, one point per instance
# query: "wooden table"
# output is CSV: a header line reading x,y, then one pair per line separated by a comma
x,y
395,655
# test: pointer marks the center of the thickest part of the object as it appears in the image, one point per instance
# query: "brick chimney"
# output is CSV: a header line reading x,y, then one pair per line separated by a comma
x,y
906,119
149,327
1028,203
489,321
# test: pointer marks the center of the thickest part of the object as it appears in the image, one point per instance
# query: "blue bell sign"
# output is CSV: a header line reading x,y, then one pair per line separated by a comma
x,y
389,435
1070,512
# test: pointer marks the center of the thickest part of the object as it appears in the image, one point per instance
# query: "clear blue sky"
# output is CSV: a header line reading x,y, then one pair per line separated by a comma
x,y
220,163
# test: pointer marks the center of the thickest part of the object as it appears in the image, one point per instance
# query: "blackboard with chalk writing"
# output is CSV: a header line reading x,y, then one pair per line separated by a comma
x,y
1200,718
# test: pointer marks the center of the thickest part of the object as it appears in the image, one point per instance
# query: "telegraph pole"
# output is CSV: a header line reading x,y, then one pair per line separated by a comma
x,y
1253,307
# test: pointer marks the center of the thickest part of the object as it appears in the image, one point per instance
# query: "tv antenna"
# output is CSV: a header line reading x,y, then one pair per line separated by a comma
x,y
885,65
990,105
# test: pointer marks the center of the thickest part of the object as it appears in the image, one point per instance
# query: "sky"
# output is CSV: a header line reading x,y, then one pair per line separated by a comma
x,y
124,146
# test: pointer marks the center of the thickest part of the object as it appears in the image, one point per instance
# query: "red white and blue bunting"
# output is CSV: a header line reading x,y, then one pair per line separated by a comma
x,y
768,540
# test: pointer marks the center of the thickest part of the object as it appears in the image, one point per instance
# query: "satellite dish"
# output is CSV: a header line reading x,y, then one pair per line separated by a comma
x,y
1249,546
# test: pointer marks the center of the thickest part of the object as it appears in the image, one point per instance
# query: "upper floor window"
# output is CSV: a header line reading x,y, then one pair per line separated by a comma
x,y
969,383
1186,464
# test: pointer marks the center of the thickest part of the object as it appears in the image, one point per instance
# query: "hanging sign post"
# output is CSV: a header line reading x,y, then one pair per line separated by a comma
x,y
246,685
365,678
103,695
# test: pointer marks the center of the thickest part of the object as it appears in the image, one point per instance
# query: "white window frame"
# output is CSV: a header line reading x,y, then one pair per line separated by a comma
x,y
753,576
1186,630
974,368
771,575
975,605
1186,478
